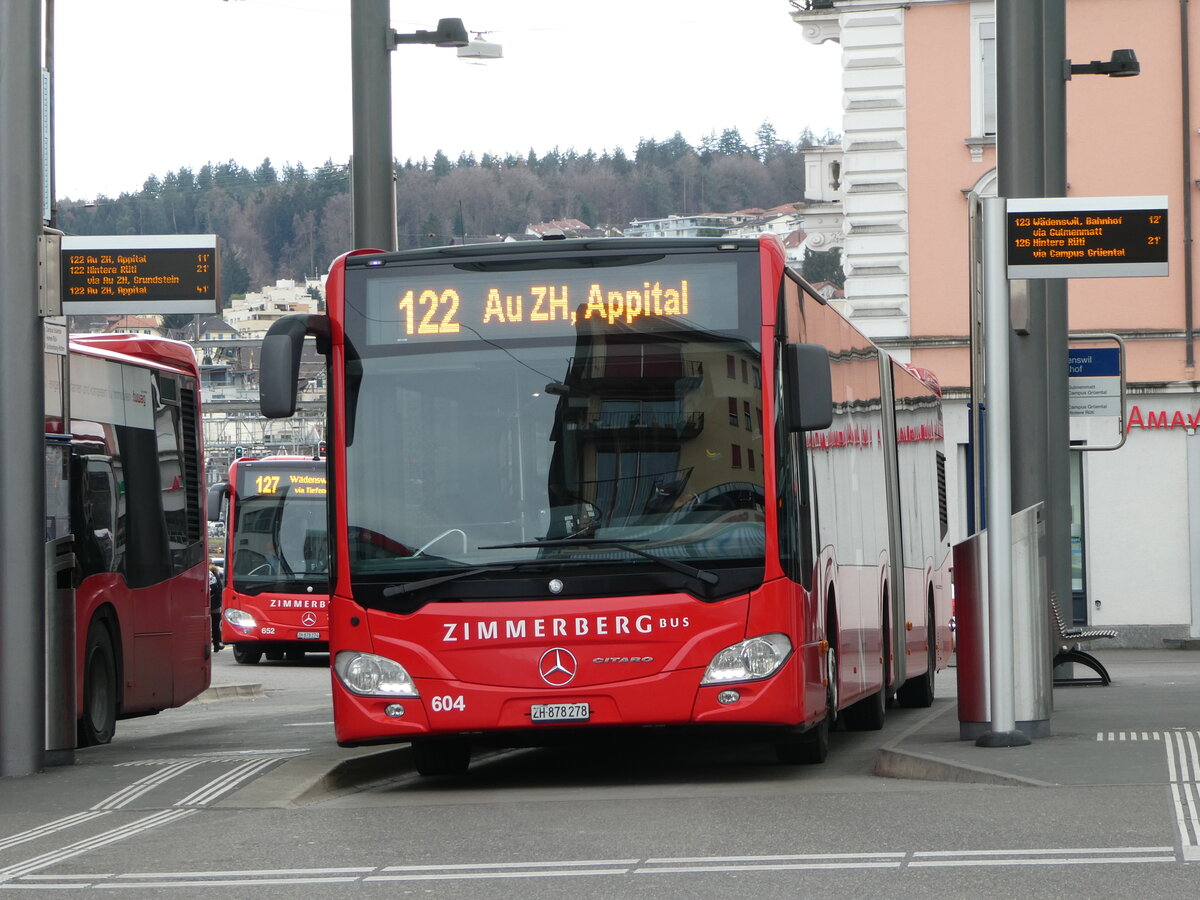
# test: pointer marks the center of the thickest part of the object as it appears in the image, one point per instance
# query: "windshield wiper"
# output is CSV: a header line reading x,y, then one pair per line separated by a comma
x,y
626,545
408,587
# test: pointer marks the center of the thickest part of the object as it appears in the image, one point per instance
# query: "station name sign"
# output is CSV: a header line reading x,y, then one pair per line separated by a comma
x,y
139,274
1086,237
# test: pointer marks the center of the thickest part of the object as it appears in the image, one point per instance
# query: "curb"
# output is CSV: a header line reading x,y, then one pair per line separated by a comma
x,y
230,692
356,773
895,763
313,777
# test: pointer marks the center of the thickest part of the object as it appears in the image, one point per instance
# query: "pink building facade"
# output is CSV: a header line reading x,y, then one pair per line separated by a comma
x,y
918,146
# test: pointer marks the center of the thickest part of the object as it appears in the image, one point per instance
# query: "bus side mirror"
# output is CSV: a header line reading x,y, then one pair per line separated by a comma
x,y
807,387
279,363
217,495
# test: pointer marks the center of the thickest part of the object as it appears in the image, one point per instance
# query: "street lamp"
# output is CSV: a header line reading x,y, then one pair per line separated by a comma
x,y
373,192
449,33
1122,64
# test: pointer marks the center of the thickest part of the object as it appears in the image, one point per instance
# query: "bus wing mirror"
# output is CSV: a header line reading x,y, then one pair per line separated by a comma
x,y
808,387
216,500
279,362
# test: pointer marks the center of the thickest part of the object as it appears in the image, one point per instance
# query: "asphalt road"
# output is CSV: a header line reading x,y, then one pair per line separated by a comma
x,y
226,797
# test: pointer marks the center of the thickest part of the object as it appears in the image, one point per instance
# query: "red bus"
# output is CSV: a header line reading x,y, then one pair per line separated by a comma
x,y
276,595
136,510
617,484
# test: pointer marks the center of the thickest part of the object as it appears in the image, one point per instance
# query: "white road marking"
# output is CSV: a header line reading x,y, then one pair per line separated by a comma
x,y
51,828
1183,767
131,829
143,786
541,869
210,792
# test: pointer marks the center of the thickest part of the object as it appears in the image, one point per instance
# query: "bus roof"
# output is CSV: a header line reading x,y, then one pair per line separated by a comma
x,y
138,348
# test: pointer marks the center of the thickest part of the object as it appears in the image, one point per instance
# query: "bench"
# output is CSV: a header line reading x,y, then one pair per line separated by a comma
x,y
1067,649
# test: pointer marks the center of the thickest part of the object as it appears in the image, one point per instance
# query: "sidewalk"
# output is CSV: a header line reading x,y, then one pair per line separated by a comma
x,y
1098,734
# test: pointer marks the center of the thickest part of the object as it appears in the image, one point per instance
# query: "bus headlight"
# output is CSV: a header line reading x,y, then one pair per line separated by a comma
x,y
239,618
754,658
373,676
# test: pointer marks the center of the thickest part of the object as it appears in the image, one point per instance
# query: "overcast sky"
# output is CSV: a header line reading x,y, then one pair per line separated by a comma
x,y
149,86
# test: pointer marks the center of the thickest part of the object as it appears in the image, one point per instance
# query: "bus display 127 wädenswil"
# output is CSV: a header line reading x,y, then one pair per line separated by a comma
x,y
585,485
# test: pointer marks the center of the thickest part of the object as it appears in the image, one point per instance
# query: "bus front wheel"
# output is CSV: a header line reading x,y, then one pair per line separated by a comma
x,y
441,757
99,719
246,654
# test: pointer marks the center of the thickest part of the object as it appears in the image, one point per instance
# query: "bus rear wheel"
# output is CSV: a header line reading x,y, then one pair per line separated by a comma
x,y
441,757
99,720
246,654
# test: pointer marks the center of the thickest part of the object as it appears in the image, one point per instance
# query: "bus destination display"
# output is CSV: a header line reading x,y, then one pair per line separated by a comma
x,y
276,482
1087,237
456,305
140,274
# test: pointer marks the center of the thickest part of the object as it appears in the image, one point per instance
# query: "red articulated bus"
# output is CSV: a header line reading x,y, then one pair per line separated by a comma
x,y
136,510
276,595
616,484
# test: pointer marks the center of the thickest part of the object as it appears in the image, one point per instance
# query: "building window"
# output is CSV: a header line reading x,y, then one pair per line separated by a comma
x,y
736,455
730,371
746,415
750,459
983,71
745,372
733,414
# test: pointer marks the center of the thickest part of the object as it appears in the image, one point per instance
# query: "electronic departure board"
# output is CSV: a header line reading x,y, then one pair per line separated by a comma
x,y
1090,237
147,274
264,480
440,303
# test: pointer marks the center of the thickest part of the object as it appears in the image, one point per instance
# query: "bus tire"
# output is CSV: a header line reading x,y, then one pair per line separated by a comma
x,y
441,757
808,749
869,712
99,720
246,654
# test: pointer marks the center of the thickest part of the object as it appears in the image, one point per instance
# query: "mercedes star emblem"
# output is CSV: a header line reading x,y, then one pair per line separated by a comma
x,y
557,667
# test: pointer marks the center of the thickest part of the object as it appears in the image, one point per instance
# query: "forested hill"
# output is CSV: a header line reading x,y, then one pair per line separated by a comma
x,y
291,224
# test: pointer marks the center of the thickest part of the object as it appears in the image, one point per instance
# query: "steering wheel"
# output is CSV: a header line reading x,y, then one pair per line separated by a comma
x,y
251,562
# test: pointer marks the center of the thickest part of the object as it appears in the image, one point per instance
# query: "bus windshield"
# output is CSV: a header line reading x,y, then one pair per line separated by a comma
x,y
629,413
279,529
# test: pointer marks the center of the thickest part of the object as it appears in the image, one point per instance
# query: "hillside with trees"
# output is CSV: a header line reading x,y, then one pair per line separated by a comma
x,y
291,223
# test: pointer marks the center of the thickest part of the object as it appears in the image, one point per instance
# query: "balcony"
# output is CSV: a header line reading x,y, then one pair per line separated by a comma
x,y
619,372
642,427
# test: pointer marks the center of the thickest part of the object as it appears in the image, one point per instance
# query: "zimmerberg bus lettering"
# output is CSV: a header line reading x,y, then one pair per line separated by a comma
x,y
277,603
579,626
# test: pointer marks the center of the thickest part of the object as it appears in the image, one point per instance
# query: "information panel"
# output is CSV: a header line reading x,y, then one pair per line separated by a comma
x,y
1094,382
139,274
1087,237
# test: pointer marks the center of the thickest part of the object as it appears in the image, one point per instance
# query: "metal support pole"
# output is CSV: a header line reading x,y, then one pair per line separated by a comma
x,y
1004,731
22,456
1193,476
1058,423
372,177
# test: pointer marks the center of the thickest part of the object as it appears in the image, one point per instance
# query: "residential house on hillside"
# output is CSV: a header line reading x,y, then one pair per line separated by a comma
x,y
254,313
133,324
